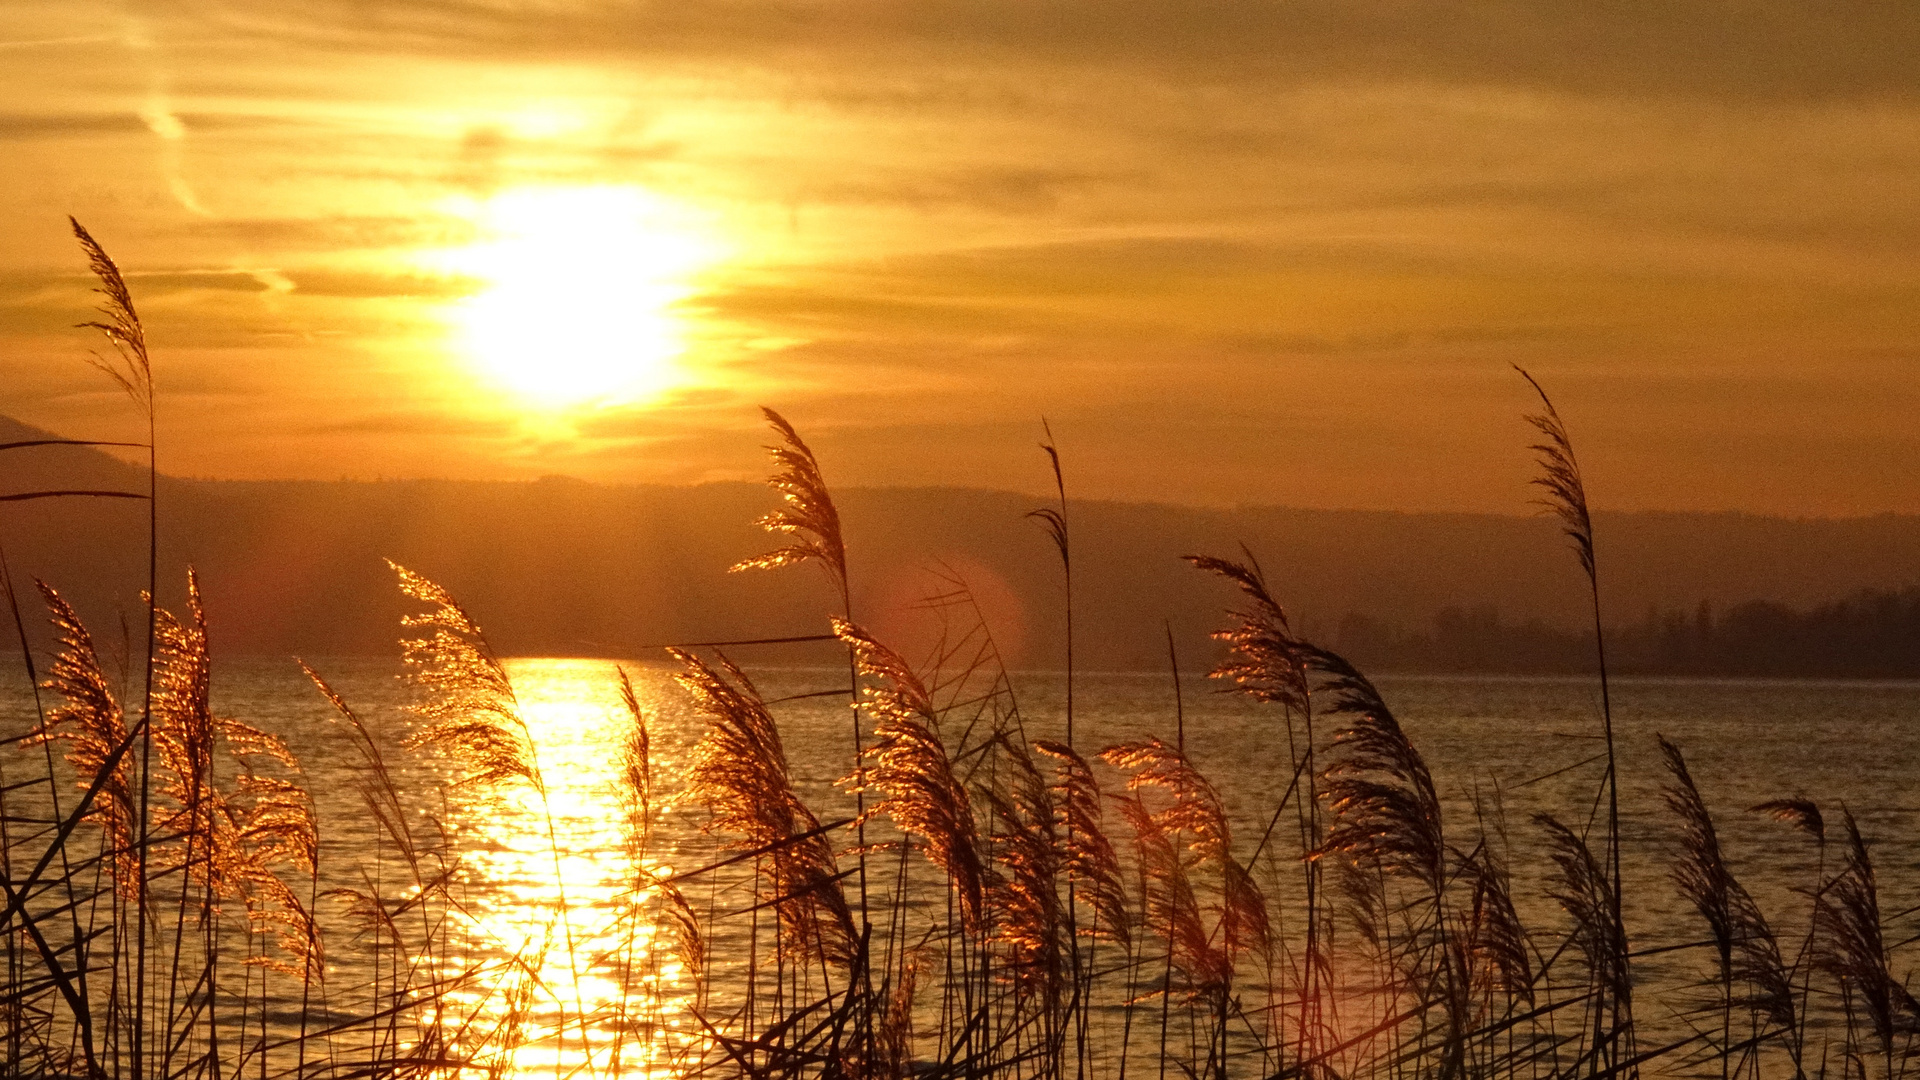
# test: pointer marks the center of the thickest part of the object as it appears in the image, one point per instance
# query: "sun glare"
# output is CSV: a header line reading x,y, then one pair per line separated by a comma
x,y
583,291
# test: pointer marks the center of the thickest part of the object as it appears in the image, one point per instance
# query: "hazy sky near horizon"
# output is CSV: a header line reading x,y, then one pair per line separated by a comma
x,y
1234,251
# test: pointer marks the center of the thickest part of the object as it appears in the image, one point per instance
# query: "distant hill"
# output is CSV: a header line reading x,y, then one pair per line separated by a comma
x,y
559,566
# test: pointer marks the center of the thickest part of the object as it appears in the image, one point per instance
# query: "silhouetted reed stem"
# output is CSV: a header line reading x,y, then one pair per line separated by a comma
x,y
1566,499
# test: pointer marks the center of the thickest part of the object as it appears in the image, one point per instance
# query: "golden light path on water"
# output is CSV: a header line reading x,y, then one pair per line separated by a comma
x,y
558,908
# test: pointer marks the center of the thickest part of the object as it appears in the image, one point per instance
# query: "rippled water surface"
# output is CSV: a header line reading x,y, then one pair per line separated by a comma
x,y
547,884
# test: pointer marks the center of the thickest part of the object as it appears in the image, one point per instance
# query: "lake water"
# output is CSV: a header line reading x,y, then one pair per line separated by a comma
x,y
1500,749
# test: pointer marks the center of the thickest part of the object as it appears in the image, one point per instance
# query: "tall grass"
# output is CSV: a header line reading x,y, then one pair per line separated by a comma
x,y
994,905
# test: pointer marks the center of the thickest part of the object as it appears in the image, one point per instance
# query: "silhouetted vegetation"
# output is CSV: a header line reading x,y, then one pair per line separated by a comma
x,y
1873,634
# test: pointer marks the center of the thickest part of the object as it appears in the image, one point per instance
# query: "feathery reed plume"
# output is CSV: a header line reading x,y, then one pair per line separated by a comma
x,y
810,518
636,760
1088,855
1598,937
1496,944
184,731
1801,813
1365,903
1743,940
689,944
1028,917
129,368
1171,908
911,768
1195,810
236,837
1267,663
809,515
472,712
1385,809
1055,521
740,773
1566,498
1849,945
1265,659
895,1033
1566,492
89,720
1386,816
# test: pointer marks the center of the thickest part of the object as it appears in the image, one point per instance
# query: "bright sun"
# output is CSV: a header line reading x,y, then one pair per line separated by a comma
x,y
582,291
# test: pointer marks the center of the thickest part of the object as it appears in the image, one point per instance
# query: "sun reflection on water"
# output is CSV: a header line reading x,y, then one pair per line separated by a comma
x,y
559,902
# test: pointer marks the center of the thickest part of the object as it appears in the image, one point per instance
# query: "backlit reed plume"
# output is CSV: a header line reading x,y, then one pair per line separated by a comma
x,y
471,709
677,915
1028,918
740,774
1743,941
809,516
683,927
636,754
1090,860
1172,911
894,1035
910,767
237,834
129,367
1850,947
1265,660
1194,812
89,721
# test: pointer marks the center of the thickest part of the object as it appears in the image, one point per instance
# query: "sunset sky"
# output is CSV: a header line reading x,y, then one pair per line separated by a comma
x,y
1234,252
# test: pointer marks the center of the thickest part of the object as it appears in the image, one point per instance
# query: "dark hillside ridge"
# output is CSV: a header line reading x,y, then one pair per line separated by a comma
x,y
562,567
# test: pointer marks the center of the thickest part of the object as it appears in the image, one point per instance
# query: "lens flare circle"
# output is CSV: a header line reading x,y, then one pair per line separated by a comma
x,y
582,295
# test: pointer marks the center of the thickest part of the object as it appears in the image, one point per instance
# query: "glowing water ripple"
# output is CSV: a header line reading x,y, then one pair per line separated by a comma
x,y
558,910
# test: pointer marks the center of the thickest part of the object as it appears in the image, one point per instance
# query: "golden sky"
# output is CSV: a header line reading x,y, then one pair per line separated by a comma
x,y
1235,251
